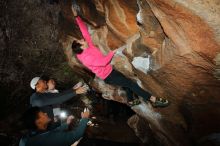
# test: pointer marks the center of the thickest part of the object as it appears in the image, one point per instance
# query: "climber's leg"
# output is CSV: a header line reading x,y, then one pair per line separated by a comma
x,y
128,92
131,100
117,78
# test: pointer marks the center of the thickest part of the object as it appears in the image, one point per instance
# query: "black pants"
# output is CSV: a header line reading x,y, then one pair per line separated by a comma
x,y
117,78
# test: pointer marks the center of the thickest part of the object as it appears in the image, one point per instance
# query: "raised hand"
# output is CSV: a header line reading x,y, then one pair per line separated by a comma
x,y
74,11
69,119
85,113
79,84
81,90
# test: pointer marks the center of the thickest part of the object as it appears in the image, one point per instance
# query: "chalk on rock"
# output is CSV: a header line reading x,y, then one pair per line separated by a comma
x,y
120,50
141,63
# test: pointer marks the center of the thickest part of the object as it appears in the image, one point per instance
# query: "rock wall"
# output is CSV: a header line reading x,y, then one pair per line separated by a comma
x,y
170,48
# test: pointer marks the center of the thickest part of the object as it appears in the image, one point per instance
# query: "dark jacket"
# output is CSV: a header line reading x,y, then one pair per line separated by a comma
x,y
58,136
46,100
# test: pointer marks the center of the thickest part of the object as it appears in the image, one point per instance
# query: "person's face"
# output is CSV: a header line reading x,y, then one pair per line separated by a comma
x,y
41,85
83,43
42,121
51,84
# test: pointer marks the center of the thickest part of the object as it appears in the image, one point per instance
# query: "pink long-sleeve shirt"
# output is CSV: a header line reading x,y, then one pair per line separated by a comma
x,y
92,57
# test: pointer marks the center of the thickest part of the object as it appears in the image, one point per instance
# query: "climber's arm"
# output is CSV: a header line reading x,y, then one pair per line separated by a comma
x,y
83,27
84,30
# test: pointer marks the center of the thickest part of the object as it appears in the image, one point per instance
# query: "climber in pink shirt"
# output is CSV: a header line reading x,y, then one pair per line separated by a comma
x,y
91,57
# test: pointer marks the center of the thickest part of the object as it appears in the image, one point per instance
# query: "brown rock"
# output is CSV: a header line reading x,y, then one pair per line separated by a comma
x,y
140,127
182,39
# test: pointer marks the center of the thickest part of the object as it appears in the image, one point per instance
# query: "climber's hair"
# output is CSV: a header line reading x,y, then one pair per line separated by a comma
x,y
30,116
76,47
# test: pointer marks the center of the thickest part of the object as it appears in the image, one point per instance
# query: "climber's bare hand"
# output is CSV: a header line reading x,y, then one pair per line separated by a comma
x,y
81,90
74,11
85,113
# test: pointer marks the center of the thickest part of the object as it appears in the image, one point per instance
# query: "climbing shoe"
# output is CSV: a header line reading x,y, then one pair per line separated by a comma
x,y
134,102
160,102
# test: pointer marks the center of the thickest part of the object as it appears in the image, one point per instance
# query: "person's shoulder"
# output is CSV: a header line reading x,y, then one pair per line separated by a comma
x,y
34,140
33,95
26,138
23,141
36,95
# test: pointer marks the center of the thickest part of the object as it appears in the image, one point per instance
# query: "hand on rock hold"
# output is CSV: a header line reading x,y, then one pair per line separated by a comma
x,y
85,113
81,90
74,11
79,84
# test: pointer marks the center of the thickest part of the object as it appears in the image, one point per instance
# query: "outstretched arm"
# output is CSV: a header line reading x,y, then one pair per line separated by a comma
x,y
61,137
82,26
84,30
45,99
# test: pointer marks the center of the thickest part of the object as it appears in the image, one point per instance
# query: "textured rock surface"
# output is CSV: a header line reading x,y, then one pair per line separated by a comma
x,y
182,39
140,127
